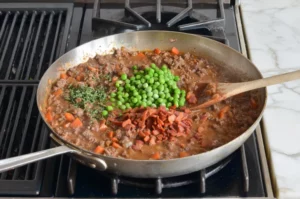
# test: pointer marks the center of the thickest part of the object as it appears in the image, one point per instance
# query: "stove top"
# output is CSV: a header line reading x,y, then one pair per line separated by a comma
x,y
33,35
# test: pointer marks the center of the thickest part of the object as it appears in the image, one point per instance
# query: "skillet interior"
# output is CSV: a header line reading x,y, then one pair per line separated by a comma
x,y
146,40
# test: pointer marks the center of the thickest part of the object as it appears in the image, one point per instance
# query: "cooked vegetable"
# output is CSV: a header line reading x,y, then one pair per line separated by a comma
x,y
99,150
63,76
152,86
89,99
76,123
175,51
69,117
155,156
48,116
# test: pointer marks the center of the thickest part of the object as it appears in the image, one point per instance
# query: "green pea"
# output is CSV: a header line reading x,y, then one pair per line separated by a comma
x,y
145,85
134,67
161,87
113,94
139,97
153,65
162,95
151,80
138,82
160,100
153,105
135,93
120,88
155,96
119,103
167,95
181,102
127,81
120,96
177,91
126,95
143,104
127,105
135,100
171,99
104,113
143,81
147,77
151,71
144,96
155,91
176,103
176,78
164,66
109,108
148,89
137,77
132,79
162,80
132,88
123,76
162,104
123,107
169,104
150,94
112,99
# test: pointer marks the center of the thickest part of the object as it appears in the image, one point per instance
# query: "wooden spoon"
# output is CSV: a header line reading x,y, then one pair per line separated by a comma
x,y
226,90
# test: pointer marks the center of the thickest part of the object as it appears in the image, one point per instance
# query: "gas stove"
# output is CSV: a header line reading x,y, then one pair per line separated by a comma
x,y
33,35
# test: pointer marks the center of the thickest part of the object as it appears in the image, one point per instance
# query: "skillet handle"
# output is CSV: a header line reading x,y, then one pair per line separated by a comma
x,y
11,163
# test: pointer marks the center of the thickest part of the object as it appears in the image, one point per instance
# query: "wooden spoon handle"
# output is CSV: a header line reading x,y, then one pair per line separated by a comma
x,y
277,79
260,83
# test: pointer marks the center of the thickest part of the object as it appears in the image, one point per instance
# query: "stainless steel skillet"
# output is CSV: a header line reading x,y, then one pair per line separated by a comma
x,y
143,40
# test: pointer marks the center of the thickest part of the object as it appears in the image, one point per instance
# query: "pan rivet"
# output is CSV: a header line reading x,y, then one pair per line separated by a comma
x,y
92,165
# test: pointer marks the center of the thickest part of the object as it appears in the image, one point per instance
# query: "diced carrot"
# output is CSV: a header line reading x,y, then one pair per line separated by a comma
x,y
111,134
49,108
175,51
114,139
79,77
69,117
183,154
99,150
147,138
253,103
141,55
115,78
223,112
156,156
92,69
58,92
116,145
49,116
76,123
157,51
63,76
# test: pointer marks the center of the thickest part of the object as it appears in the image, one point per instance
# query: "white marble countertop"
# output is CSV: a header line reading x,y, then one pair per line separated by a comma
x,y
272,29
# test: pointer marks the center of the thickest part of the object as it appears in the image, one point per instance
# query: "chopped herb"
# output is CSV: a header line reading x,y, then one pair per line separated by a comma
x,y
88,98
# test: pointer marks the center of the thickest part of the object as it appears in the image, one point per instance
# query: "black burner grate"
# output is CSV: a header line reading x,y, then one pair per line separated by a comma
x,y
136,20
31,39
32,36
